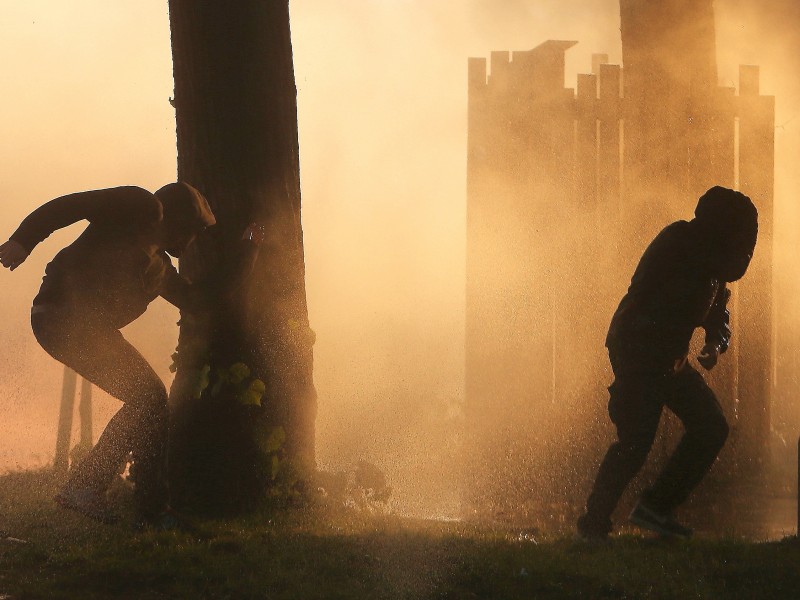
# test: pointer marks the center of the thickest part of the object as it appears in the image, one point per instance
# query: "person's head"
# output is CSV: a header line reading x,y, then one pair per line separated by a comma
x,y
728,221
186,214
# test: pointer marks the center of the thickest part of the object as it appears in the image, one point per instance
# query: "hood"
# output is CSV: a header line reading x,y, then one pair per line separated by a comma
x,y
185,208
728,221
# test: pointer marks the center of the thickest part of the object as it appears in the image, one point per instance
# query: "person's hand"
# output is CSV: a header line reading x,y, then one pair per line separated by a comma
x,y
12,254
254,233
708,356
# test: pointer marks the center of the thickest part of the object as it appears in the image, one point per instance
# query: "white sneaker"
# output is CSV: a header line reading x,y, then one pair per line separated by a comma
x,y
663,524
87,502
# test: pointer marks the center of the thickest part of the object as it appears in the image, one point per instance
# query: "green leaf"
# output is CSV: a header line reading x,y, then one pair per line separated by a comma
x,y
258,386
238,373
276,466
200,382
250,398
253,393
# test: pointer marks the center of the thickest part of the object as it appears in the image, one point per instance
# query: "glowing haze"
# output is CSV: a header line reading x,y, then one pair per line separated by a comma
x,y
382,115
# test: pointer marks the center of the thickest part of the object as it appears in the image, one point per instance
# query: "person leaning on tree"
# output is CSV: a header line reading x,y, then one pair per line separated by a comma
x,y
94,287
679,285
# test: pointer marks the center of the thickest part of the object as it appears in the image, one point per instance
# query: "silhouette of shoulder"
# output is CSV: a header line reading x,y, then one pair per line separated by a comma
x,y
121,207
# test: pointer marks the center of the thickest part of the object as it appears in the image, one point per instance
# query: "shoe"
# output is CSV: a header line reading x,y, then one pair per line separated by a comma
x,y
663,524
88,502
591,535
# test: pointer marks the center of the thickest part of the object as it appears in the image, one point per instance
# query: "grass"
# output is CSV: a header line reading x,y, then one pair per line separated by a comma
x,y
325,553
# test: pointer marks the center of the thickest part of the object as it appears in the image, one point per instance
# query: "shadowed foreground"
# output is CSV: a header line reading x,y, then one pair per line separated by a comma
x,y
46,552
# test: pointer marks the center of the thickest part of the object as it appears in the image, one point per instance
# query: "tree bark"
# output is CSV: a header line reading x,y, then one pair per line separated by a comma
x,y
236,114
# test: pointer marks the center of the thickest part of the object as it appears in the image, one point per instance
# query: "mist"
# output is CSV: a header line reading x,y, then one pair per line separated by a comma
x,y
765,34
382,89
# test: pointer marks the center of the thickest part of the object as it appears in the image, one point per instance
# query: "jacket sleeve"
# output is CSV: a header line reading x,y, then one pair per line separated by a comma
x,y
127,206
717,323
204,295
182,293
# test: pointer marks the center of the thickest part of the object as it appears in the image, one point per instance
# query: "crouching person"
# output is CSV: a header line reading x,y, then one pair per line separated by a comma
x,y
93,288
679,285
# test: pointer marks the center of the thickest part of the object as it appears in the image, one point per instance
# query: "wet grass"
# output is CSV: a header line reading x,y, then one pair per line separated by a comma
x,y
316,553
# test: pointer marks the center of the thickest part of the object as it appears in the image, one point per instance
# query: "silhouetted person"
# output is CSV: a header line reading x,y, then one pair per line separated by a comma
x,y
679,285
94,287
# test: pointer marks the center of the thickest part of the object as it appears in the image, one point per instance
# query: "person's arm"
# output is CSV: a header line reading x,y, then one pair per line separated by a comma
x,y
182,293
717,328
127,205
202,296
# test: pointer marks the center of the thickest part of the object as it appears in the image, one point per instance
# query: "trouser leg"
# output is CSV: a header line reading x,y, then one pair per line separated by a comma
x,y
102,463
705,432
636,415
149,448
102,356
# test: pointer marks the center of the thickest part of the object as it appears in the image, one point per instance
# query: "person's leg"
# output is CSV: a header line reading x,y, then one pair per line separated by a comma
x,y
635,409
705,433
102,356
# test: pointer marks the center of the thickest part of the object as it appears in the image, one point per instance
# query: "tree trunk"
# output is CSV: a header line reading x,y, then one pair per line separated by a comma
x,y
236,113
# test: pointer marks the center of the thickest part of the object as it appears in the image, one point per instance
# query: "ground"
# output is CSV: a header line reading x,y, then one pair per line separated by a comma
x,y
325,552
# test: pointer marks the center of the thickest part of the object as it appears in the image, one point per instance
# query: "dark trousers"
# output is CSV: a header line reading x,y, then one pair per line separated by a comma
x,y
637,398
99,354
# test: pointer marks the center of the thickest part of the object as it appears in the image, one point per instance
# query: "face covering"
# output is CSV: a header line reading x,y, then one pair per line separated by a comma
x,y
729,221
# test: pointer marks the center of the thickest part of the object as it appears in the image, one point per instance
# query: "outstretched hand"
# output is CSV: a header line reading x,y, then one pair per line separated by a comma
x,y
708,356
12,254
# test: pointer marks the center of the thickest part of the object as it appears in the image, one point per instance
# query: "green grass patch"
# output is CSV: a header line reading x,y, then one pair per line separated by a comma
x,y
326,553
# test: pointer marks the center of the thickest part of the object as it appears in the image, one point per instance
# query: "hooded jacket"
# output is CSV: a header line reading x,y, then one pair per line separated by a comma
x,y
679,284
110,272
672,292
